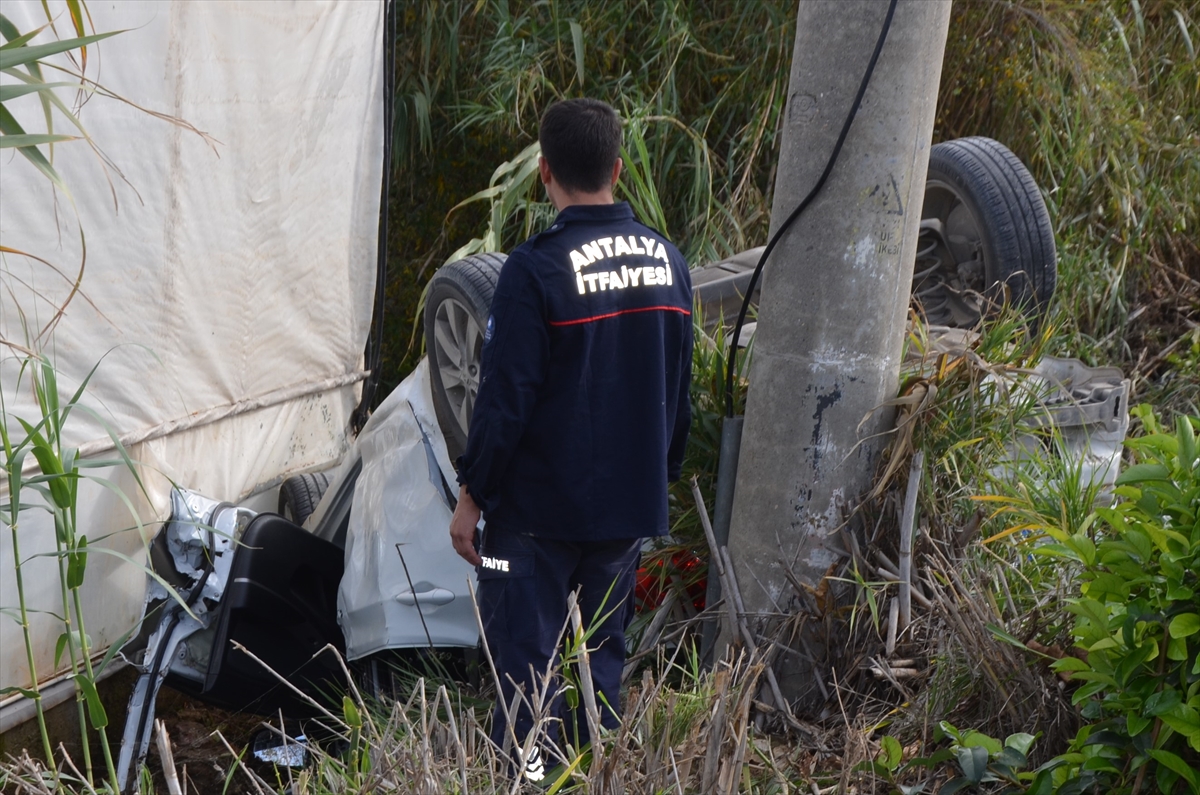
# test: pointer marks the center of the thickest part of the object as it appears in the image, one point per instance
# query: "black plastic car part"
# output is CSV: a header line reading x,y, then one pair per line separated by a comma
x,y
281,606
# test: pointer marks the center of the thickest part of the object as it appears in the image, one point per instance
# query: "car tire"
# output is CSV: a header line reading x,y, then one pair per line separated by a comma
x,y
457,305
985,235
300,494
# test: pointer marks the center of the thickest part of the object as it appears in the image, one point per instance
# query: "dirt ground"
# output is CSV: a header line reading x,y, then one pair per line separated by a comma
x,y
202,759
195,730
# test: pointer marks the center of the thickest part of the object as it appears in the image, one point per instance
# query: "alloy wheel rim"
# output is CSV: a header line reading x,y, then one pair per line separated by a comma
x,y
458,344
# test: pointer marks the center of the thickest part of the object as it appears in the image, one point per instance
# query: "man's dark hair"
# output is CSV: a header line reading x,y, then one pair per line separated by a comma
x,y
581,139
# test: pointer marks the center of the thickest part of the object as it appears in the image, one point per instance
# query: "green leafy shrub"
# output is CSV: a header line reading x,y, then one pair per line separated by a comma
x,y
1138,620
985,760
981,760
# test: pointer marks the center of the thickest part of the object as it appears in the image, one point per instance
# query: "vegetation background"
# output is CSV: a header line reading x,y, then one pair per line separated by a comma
x,y
1100,98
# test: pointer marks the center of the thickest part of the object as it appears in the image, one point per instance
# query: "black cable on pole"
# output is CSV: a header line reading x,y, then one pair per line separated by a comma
x,y
731,352
373,355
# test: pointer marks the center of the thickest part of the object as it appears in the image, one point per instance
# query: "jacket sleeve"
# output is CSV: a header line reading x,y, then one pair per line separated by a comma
x,y
683,411
513,368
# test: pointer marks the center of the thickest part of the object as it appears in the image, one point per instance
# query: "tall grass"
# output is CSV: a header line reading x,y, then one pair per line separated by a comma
x,y
703,84
1099,98
689,74
1102,101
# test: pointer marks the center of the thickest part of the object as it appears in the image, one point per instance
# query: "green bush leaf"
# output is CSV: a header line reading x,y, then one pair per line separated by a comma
x,y
1091,610
1084,548
1054,551
1020,741
1095,676
1133,662
1176,764
955,785
878,768
946,729
1009,760
1107,584
1136,724
973,762
1161,702
1184,720
1104,644
1069,663
1179,593
891,752
1087,691
933,760
1140,473
974,739
1184,624
1042,784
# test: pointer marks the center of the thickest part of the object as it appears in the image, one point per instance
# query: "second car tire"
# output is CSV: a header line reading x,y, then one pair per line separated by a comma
x,y
993,224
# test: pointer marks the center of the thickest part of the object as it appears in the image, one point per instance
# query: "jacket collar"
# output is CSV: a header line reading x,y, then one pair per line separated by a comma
x,y
619,211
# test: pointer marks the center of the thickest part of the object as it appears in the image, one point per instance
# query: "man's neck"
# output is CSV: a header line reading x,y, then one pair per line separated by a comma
x,y
562,199
602,197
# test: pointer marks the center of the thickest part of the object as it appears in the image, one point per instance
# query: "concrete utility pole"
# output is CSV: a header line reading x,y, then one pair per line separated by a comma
x,y
835,295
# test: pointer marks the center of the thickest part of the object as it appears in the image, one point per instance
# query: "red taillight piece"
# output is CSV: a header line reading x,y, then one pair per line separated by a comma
x,y
684,567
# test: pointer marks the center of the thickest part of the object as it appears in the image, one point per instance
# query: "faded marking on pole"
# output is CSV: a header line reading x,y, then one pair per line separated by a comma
x,y
823,402
802,109
887,195
862,251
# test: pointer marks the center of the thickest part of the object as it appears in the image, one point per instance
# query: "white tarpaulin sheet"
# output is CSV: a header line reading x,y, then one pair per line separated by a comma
x,y
229,294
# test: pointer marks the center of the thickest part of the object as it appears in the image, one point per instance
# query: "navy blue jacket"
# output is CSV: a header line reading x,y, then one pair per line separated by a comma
x,y
583,409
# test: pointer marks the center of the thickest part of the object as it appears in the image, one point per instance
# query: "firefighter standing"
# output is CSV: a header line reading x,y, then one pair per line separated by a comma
x,y
581,417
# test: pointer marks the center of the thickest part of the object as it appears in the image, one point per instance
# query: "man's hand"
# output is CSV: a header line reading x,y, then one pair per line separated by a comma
x,y
462,527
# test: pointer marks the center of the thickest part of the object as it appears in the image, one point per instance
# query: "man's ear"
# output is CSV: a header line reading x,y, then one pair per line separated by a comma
x,y
544,170
616,171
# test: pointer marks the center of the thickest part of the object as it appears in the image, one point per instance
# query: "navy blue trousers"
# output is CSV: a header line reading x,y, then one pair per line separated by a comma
x,y
523,586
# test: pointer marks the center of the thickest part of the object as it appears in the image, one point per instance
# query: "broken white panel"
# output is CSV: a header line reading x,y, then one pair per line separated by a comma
x,y
1089,409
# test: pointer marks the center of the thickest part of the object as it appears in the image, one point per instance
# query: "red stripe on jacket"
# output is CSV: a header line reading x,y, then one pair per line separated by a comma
x,y
594,318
